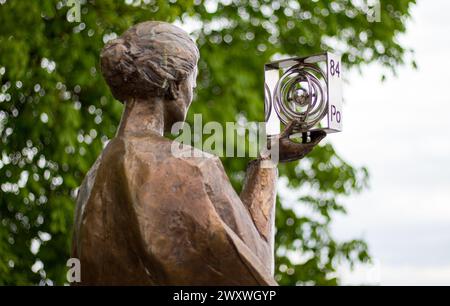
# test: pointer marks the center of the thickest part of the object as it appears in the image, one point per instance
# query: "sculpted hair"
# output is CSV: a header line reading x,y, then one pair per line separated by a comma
x,y
151,58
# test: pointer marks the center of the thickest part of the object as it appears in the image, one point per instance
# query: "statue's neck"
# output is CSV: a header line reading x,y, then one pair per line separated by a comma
x,y
142,117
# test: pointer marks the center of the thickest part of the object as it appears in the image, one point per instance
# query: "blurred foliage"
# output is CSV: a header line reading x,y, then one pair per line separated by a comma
x,y
56,113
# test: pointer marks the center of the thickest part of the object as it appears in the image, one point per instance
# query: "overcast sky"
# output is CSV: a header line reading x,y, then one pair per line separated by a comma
x,y
400,130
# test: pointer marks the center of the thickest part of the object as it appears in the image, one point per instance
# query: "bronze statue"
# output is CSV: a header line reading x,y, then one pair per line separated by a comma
x,y
147,217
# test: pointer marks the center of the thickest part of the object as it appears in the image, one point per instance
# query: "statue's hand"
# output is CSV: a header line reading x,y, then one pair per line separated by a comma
x,y
290,150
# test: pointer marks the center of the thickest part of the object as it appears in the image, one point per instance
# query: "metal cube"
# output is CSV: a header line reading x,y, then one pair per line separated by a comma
x,y
305,89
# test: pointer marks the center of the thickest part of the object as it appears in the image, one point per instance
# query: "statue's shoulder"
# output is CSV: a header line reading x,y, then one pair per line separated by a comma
x,y
163,164
162,152
145,156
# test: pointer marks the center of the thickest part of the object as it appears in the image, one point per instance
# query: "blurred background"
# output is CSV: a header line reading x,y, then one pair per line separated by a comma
x,y
399,129
369,206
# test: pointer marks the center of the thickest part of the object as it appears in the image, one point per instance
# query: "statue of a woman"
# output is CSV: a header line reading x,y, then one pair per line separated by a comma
x,y
145,216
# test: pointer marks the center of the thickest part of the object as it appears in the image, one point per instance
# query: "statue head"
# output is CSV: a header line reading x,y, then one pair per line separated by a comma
x,y
152,60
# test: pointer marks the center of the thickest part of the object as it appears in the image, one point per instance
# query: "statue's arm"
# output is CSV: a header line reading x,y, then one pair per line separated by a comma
x,y
258,195
259,191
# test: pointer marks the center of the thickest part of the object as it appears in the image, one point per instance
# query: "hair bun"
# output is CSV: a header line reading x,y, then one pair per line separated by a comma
x,y
151,58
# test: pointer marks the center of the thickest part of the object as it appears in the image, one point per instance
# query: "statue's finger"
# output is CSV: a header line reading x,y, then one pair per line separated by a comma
x,y
288,129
